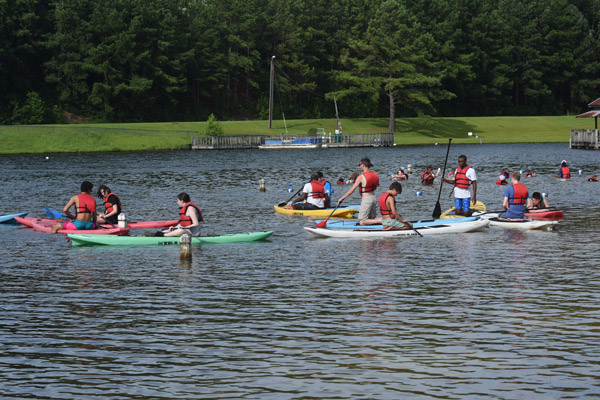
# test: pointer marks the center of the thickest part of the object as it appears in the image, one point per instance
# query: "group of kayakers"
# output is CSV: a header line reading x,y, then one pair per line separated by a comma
x,y
86,217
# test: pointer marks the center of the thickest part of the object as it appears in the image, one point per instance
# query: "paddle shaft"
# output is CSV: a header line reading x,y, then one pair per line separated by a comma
x,y
290,199
437,204
323,224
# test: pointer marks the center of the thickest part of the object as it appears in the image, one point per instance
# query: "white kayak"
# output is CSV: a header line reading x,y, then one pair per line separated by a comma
x,y
354,224
526,224
426,230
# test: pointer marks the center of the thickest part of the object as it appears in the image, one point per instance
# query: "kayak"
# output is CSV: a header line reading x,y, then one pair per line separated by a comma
x,y
547,214
526,224
29,221
354,224
479,206
459,227
42,225
341,212
10,218
110,240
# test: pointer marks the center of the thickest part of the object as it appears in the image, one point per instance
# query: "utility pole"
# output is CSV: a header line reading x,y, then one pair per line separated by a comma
x,y
339,123
271,92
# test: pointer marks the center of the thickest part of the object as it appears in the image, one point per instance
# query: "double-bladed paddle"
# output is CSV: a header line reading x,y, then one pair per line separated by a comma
x,y
283,203
437,211
54,214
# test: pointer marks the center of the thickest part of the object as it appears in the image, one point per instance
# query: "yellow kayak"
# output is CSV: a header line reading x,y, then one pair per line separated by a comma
x,y
479,206
341,212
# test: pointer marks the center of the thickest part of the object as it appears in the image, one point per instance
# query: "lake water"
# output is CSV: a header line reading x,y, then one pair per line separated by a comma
x,y
498,314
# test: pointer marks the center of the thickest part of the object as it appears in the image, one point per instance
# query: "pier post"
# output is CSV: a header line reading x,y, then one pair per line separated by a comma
x,y
185,242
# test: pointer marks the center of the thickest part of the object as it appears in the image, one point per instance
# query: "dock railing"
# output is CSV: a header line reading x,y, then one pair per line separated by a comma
x,y
585,139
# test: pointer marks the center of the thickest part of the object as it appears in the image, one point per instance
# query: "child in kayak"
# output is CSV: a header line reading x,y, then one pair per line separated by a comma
x,y
190,217
538,202
112,206
85,210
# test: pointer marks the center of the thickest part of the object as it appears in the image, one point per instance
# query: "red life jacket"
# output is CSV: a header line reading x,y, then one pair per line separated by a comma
x,y
427,180
185,220
87,204
519,194
460,178
318,190
383,206
109,206
565,172
372,181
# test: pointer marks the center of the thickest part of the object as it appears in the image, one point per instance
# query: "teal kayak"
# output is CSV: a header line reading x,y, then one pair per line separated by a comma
x,y
79,239
10,218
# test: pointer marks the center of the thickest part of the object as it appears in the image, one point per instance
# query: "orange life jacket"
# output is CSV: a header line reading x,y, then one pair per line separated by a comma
x,y
318,190
87,204
565,172
372,181
185,220
427,180
519,194
460,178
383,206
109,206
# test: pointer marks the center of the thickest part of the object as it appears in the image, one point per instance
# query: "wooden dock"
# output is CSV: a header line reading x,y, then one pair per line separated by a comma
x,y
281,141
585,139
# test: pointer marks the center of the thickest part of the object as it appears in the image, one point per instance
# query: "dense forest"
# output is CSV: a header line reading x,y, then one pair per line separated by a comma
x,y
168,60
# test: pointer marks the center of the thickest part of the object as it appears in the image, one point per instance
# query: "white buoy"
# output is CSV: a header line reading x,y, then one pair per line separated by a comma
x,y
122,218
436,143
47,157
544,194
261,183
290,190
580,171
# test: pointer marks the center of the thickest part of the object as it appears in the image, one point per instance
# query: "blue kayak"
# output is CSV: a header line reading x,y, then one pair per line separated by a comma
x,y
354,224
10,218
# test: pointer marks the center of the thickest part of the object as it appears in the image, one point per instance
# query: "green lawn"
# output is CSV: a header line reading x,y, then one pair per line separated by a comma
x,y
409,131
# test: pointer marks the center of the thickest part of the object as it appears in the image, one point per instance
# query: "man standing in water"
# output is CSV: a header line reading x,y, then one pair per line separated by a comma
x,y
366,183
464,176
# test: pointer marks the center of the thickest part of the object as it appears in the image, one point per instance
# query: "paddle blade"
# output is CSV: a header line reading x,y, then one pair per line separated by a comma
x,y
53,214
322,224
437,211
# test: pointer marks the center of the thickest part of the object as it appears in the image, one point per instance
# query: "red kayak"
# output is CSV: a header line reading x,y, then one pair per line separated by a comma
x,y
29,221
545,214
46,226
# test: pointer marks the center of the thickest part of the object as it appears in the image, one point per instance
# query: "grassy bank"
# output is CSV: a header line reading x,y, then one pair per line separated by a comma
x,y
175,135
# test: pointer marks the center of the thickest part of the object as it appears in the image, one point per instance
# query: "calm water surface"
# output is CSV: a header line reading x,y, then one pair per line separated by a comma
x,y
498,314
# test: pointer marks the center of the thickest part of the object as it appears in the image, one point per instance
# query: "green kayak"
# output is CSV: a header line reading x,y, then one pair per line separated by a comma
x,y
79,239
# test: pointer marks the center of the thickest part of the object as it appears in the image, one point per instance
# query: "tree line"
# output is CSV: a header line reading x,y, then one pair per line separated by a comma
x,y
166,60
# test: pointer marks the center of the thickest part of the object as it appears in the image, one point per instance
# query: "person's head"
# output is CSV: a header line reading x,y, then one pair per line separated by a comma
x,y
321,176
516,176
354,176
86,186
536,196
365,162
183,197
396,186
563,163
315,177
462,160
429,169
103,190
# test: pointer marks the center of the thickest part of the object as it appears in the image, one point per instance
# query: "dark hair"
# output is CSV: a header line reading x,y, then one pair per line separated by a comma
x,y
536,195
366,162
320,174
462,156
86,186
103,187
314,177
354,176
183,196
396,186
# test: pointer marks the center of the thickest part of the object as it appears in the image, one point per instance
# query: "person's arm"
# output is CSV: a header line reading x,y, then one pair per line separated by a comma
x,y
302,197
115,208
71,202
193,214
391,203
546,204
505,203
351,190
474,200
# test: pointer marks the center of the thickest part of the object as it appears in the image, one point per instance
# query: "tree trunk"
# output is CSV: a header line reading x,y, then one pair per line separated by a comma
x,y
392,124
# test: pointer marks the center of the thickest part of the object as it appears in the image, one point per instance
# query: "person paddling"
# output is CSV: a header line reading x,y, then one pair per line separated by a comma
x,y
313,195
85,210
190,218
390,217
464,177
112,206
366,183
516,199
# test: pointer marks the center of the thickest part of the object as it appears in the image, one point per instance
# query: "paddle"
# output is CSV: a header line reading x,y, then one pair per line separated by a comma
x,y
54,214
437,211
283,203
323,224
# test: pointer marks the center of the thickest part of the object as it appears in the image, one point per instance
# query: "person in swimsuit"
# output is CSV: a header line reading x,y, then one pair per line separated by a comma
x,y
85,210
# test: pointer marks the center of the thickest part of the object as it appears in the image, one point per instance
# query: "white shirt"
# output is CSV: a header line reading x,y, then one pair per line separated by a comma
x,y
317,202
461,193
